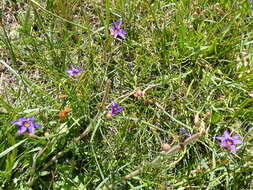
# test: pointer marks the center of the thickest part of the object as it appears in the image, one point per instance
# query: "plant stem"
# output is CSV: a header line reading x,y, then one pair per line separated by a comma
x,y
179,146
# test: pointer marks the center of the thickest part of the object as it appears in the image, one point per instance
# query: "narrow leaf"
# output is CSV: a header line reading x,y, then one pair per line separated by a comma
x,y
11,148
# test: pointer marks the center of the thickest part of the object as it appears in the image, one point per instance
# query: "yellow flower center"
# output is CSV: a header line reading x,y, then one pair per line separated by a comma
x,y
229,142
26,124
114,32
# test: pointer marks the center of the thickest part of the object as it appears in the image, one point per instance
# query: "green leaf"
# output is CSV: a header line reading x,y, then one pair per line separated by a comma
x,y
11,148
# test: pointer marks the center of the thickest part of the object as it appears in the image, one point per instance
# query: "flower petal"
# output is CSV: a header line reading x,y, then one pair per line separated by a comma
x,y
115,105
31,130
77,74
18,122
80,69
224,143
220,138
115,112
74,68
23,119
122,33
70,72
236,137
31,119
118,24
115,34
74,71
184,132
237,141
227,134
233,149
120,109
21,130
37,125
111,28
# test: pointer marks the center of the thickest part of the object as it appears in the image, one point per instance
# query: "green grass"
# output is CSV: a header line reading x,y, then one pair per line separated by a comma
x,y
198,54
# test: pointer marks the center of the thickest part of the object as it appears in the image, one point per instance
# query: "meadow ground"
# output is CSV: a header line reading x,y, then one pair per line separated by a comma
x,y
183,76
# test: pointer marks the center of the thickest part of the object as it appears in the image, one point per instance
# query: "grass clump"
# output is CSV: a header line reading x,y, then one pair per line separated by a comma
x,y
183,64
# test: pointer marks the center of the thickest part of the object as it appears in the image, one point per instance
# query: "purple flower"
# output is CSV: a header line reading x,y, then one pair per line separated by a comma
x,y
184,132
230,142
74,71
26,123
116,109
116,31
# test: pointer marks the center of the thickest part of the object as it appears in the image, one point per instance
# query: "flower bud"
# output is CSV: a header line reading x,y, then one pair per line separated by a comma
x,y
148,102
109,115
46,134
195,14
138,93
207,115
198,8
165,147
